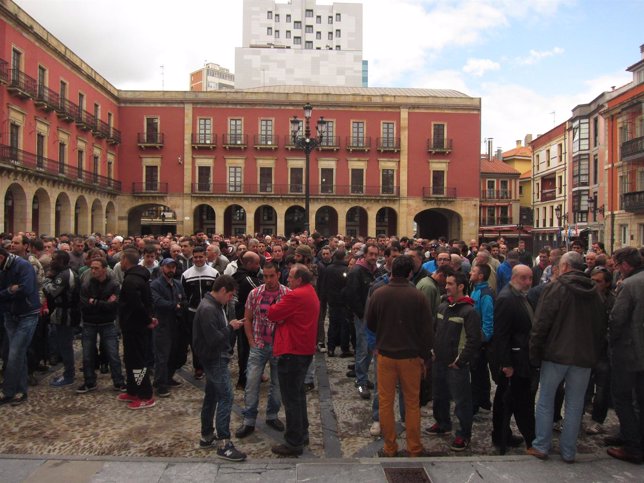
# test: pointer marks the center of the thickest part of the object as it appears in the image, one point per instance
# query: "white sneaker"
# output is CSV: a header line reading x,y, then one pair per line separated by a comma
x,y
374,430
595,428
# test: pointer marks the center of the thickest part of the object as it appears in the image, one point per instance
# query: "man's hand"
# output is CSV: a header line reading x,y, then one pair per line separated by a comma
x,y
508,371
236,324
112,298
153,323
14,288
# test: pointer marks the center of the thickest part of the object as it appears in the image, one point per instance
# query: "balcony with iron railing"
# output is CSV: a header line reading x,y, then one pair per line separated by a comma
x,y
85,120
496,220
358,143
293,189
633,202
21,85
150,140
39,165
548,195
46,99
633,149
4,71
235,141
439,192
388,145
114,136
496,194
149,188
265,141
329,143
66,110
439,145
204,140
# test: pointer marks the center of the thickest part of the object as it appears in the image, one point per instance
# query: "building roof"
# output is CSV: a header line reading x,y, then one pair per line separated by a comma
x,y
497,167
523,151
526,175
366,91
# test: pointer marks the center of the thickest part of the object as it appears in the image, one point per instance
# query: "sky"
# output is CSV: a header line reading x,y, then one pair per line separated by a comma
x,y
530,61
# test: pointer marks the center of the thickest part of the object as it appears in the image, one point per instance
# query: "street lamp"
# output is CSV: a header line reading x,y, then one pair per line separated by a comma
x,y
308,144
561,217
592,204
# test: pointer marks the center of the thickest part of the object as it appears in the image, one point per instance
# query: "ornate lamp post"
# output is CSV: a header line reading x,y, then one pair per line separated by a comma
x,y
307,144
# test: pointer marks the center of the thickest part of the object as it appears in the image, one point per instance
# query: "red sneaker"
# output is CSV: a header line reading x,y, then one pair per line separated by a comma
x,y
125,397
142,404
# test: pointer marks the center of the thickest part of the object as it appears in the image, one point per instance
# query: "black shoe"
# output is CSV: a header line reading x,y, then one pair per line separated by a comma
x,y
363,392
163,391
121,387
87,387
276,424
244,431
42,368
104,368
370,385
230,453
174,383
283,450
351,367
512,442
331,352
351,374
208,442
18,399
346,354
614,440
308,387
624,455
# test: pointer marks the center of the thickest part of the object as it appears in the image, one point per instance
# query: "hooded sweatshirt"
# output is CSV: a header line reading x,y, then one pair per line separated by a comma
x,y
458,332
570,326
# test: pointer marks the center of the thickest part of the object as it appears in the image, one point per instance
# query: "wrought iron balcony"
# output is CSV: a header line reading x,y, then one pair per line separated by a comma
x,y
633,202
46,99
496,195
101,129
21,85
263,141
66,110
439,145
439,192
149,188
388,145
329,143
293,189
204,141
40,165
358,143
114,137
4,71
633,149
235,141
84,120
548,195
150,140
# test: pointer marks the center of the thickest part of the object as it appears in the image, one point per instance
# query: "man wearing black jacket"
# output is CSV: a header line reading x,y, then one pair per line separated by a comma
x,y
334,280
135,318
99,306
510,365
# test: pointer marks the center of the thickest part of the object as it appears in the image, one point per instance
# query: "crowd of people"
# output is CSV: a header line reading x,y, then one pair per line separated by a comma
x,y
425,319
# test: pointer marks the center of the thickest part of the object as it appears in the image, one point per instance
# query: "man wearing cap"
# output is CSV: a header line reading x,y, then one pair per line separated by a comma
x,y
168,306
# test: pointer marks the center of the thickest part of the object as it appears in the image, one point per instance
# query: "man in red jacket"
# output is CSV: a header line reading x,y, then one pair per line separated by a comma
x,y
294,343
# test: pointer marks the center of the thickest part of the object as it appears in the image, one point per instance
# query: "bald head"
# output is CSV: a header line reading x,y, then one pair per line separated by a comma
x,y
521,278
250,260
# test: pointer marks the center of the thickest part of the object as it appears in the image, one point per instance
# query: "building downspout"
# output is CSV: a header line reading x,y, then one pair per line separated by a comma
x,y
611,186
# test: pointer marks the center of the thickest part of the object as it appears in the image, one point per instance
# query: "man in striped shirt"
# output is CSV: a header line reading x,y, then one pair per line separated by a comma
x,y
259,331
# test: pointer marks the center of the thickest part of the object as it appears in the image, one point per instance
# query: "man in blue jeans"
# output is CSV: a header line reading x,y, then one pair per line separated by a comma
x,y
259,332
21,305
568,334
211,333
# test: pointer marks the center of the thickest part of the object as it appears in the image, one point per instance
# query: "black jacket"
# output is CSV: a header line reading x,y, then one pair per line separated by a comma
x,y
100,311
166,298
458,332
211,334
135,303
512,326
334,281
355,293
247,281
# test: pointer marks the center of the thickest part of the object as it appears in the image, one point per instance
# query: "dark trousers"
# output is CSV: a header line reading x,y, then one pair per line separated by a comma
x,y
185,336
167,351
452,383
602,400
243,350
291,370
65,342
480,382
519,401
135,347
339,328
38,349
627,388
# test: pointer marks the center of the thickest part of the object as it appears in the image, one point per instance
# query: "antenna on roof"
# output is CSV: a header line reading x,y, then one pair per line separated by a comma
x,y
162,78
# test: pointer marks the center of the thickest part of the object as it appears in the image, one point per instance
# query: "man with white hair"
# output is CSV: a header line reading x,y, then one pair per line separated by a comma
x,y
215,259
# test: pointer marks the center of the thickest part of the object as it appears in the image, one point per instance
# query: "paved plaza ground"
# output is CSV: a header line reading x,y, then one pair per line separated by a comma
x,y
65,428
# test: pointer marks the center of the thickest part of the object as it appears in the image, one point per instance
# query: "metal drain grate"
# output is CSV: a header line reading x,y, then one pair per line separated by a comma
x,y
407,475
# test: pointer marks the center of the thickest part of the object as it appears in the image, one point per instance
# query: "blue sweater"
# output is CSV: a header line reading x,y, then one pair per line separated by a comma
x,y
484,305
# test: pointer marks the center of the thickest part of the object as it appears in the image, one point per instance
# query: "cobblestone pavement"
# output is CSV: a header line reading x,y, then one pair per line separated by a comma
x,y
61,422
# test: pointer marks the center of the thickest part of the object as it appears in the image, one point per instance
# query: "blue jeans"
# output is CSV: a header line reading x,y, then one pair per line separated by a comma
x,y
375,406
576,379
291,369
65,341
109,343
218,399
363,354
448,383
20,330
257,360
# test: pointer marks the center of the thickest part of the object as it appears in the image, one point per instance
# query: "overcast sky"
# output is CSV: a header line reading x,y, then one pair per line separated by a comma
x,y
531,61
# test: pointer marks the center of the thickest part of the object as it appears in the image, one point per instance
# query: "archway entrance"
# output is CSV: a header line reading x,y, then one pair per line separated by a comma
x,y
326,221
15,209
437,222
205,219
81,216
151,219
234,221
266,220
294,220
63,214
386,222
357,222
